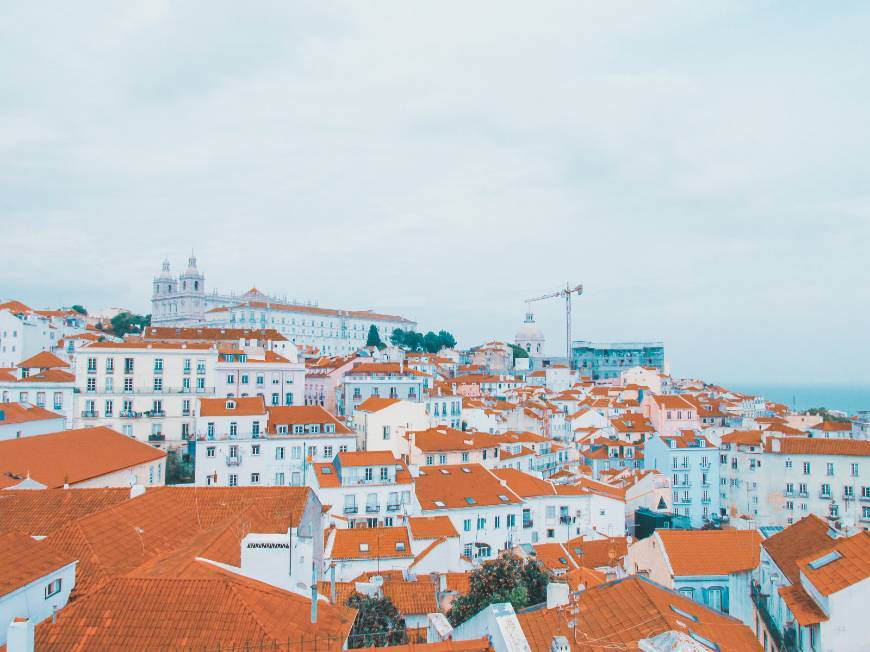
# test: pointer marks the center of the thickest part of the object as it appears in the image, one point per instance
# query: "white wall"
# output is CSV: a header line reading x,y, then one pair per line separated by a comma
x,y
29,601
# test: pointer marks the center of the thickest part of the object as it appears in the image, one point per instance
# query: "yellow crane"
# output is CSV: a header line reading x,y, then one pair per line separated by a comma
x,y
566,294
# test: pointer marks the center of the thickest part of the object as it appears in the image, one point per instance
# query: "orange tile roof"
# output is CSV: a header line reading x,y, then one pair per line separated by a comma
x,y
442,439
525,485
431,527
376,404
831,426
133,344
367,458
554,556
174,525
458,582
587,577
287,415
15,306
711,552
71,456
244,406
212,334
745,437
818,446
43,360
851,565
808,536
23,560
671,401
49,376
804,609
452,487
392,368
219,610
21,413
289,307
618,614
371,543
412,598
39,513
596,553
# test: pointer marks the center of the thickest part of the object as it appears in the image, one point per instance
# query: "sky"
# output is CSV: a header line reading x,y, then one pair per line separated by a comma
x,y
700,167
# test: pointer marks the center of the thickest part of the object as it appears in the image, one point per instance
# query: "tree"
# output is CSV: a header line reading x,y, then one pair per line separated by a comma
x,y
398,337
79,309
126,322
505,579
519,352
447,340
374,338
378,622
431,342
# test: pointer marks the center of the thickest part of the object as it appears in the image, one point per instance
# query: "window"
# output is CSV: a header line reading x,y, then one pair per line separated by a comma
x,y
385,474
511,520
369,473
465,457
327,451
53,588
788,464
255,449
806,468
255,428
279,479
430,460
158,365
92,385
279,453
386,432
233,480
231,378
496,522
466,525
826,490
855,470
234,429
481,523
829,468
244,379
210,429
255,478
442,459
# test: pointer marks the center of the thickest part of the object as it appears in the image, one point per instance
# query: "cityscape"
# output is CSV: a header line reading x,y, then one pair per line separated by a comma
x,y
434,327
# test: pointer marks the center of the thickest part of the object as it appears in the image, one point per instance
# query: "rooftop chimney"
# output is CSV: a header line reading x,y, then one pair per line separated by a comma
x,y
19,636
560,644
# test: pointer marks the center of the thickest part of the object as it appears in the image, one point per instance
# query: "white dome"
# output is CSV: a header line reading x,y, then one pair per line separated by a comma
x,y
529,331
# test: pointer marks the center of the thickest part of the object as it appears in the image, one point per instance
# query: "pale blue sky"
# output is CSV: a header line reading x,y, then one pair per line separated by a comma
x,y
702,167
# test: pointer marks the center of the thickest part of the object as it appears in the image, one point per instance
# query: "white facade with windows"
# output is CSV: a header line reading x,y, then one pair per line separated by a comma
x,y
143,390
183,301
278,382
23,335
693,465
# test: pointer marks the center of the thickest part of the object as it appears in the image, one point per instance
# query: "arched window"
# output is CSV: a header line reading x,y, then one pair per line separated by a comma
x,y
688,592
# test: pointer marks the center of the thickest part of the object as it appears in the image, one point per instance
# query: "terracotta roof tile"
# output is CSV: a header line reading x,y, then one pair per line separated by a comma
x,y
71,456
244,406
431,527
23,560
39,513
367,458
817,446
376,404
808,536
711,552
287,415
20,413
597,553
461,486
43,360
804,609
845,563
371,543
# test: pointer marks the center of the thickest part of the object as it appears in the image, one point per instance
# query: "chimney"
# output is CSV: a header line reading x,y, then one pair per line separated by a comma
x,y
313,594
136,490
19,636
775,444
557,594
560,644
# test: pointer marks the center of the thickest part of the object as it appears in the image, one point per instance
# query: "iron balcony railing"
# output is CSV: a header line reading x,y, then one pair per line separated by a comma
x,y
783,638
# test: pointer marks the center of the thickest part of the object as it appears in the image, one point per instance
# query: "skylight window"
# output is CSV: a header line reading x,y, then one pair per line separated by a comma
x,y
363,547
445,471
465,469
400,546
503,498
439,503
326,470
684,614
703,640
824,560
470,500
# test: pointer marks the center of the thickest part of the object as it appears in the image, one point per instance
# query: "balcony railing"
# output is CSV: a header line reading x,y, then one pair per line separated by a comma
x,y
373,509
155,413
564,520
393,507
156,437
129,414
234,460
528,524
782,638
89,414
350,509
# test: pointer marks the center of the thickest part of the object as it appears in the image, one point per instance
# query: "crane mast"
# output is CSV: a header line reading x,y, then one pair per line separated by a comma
x,y
565,294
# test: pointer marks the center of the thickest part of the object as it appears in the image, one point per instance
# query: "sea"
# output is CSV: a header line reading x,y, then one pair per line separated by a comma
x,y
847,398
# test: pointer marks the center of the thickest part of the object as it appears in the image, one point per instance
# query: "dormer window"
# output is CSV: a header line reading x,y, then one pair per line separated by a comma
x,y
231,405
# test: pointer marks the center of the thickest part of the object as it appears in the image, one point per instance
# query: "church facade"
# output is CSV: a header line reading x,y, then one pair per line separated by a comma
x,y
183,301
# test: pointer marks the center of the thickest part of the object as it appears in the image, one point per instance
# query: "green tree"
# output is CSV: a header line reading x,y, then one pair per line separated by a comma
x,y
79,309
127,322
519,352
398,337
374,338
431,342
505,579
447,340
413,340
378,622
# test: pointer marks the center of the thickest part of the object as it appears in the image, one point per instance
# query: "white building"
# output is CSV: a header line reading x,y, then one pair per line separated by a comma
x,y
19,420
692,462
43,380
288,442
381,379
381,423
279,379
826,477
37,580
183,301
145,390
365,489
23,334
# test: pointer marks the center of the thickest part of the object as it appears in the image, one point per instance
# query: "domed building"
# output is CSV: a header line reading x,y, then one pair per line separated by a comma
x,y
530,338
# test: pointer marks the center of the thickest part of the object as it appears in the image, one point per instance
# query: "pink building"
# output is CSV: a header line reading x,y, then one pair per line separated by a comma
x,y
322,378
670,413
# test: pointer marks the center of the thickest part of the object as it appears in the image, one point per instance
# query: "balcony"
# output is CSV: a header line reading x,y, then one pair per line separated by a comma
x,y
155,413
803,494
185,413
156,437
706,501
825,495
373,509
350,509
89,414
528,524
234,460
129,414
565,520
393,507
784,638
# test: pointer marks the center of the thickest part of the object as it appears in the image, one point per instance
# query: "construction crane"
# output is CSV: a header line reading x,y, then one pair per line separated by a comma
x,y
565,294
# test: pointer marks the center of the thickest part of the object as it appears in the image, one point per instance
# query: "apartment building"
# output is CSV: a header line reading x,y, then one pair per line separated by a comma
x,y
278,378
381,423
692,462
670,413
43,380
826,477
239,446
144,390
365,489
742,485
381,379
